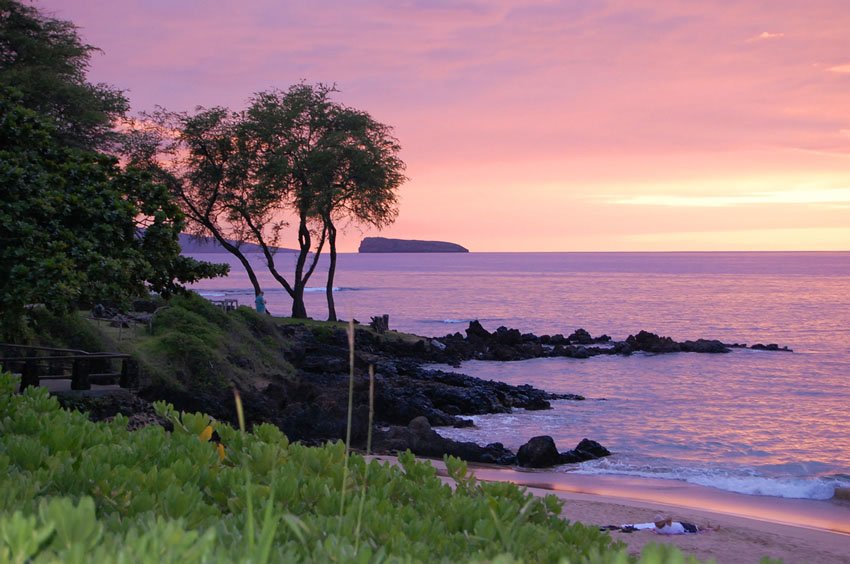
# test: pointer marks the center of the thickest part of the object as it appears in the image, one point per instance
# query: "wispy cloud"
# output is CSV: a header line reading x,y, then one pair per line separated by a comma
x,y
841,69
766,36
800,196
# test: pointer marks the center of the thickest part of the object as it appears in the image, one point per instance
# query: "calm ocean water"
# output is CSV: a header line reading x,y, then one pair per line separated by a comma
x,y
765,423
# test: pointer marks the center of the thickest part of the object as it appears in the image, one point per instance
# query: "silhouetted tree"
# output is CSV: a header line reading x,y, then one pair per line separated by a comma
x,y
292,154
192,155
358,174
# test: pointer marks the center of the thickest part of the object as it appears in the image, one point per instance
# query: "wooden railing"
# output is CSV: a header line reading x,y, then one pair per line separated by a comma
x,y
83,368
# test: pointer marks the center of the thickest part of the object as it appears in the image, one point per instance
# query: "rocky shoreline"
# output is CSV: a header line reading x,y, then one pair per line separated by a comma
x,y
511,344
311,406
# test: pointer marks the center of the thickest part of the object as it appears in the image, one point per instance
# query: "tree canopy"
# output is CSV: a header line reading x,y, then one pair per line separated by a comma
x,y
292,156
75,228
45,60
325,162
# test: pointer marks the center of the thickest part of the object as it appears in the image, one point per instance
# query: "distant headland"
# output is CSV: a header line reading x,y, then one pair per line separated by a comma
x,y
384,245
190,244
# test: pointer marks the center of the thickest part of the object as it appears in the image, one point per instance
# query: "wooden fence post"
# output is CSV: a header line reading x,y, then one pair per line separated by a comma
x,y
129,373
29,374
80,375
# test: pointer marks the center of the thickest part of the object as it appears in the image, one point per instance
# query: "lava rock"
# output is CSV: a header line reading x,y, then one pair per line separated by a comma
x,y
592,449
422,440
770,347
581,337
585,450
476,331
704,346
538,452
652,343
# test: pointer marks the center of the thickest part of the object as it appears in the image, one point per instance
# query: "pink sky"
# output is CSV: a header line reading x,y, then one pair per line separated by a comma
x,y
551,126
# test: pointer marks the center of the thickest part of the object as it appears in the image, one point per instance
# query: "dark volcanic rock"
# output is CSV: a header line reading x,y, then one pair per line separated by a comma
x,y
650,342
585,450
541,452
506,344
581,337
592,449
538,452
770,347
505,336
424,441
704,346
310,404
476,331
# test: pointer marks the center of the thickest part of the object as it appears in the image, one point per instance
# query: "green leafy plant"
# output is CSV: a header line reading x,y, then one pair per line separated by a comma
x,y
85,491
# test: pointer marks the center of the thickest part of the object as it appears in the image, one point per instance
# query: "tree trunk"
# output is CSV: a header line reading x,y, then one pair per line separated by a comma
x,y
331,229
299,311
234,250
195,215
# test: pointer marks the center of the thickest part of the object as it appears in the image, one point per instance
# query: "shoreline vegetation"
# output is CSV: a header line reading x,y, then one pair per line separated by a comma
x,y
294,374
209,337
236,444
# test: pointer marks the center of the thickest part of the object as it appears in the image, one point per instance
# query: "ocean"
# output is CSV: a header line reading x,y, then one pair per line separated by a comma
x,y
753,422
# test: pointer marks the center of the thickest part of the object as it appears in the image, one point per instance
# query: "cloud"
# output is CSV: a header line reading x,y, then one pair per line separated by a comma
x,y
840,69
799,196
766,36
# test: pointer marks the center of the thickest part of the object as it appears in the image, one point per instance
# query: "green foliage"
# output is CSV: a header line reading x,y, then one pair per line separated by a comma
x,y
324,161
69,225
47,62
664,554
85,491
195,343
292,155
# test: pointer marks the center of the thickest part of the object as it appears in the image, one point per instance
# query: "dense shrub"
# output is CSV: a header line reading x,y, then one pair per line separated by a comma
x,y
76,491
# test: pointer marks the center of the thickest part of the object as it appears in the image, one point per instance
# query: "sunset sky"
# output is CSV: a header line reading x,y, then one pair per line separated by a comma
x,y
540,126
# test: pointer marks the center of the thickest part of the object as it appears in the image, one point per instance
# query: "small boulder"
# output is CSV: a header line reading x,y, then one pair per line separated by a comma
x,y
581,337
476,331
769,347
585,450
508,337
420,425
652,343
592,448
538,452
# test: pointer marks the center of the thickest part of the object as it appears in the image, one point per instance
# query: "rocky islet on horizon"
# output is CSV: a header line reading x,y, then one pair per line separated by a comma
x,y
385,245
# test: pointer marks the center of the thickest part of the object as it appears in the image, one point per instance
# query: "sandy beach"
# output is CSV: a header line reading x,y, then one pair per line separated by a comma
x,y
736,528
725,538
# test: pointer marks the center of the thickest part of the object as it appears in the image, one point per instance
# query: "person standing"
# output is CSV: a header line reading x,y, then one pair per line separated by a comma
x,y
260,300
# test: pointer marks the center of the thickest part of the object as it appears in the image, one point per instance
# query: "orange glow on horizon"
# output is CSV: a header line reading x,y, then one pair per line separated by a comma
x,y
539,126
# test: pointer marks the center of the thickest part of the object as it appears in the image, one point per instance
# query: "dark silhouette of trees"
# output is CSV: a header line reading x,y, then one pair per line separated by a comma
x,y
359,173
292,155
193,155
75,227
328,163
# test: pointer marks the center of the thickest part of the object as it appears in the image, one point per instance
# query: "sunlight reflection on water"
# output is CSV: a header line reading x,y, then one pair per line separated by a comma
x,y
778,415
